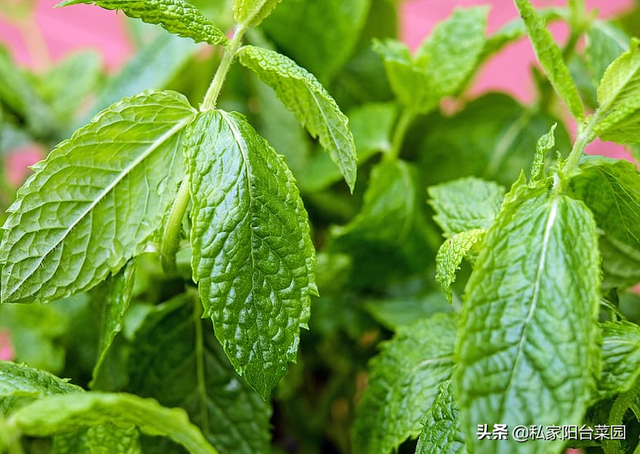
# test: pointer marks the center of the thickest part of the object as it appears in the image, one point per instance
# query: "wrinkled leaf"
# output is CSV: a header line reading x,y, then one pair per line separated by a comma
x,y
441,432
620,358
451,254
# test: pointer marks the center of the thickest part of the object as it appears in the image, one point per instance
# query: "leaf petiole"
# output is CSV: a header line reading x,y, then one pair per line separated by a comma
x,y
171,237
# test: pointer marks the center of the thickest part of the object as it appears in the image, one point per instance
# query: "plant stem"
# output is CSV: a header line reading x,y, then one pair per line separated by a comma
x,y
582,140
171,237
213,92
402,127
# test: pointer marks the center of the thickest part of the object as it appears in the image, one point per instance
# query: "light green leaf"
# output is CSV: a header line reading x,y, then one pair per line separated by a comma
x,y
450,257
19,381
605,43
619,98
309,101
103,439
175,16
389,209
403,382
620,358
177,360
528,331
372,127
620,264
252,253
611,190
325,33
96,200
442,65
465,204
550,58
545,144
58,414
114,308
252,12
441,432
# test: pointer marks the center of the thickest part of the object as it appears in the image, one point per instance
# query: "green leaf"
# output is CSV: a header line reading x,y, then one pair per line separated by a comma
x,y
103,439
620,358
550,58
528,331
605,43
499,137
619,98
20,381
620,264
611,190
58,414
309,101
441,432
177,360
403,382
372,127
545,144
450,257
325,33
442,65
96,200
252,12
395,312
252,253
175,16
114,307
465,204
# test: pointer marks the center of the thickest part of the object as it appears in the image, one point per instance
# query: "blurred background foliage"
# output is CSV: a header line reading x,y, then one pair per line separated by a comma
x,y
375,259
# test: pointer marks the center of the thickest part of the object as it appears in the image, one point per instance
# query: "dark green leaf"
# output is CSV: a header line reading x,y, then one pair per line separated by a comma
x,y
451,254
611,190
441,432
404,382
96,200
324,35
252,254
176,16
465,204
619,98
59,414
529,325
176,360
620,358
550,58
309,101
395,312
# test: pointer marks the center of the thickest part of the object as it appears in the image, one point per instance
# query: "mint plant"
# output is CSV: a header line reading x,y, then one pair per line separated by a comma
x,y
176,247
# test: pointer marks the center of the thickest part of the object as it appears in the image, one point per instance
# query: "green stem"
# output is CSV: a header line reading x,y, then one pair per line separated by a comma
x,y
402,127
9,438
583,138
200,366
171,237
213,92
616,416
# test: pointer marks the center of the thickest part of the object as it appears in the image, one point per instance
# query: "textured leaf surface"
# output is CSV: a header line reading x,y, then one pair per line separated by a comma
x,y
619,98
252,253
177,360
620,358
465,204
19,380
176,16
115,305
325,33
252,12
59,414
451,254
309,101
103,439
550,58
441,433
443,63
95,201
545,144
611,190
403,382
529,324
